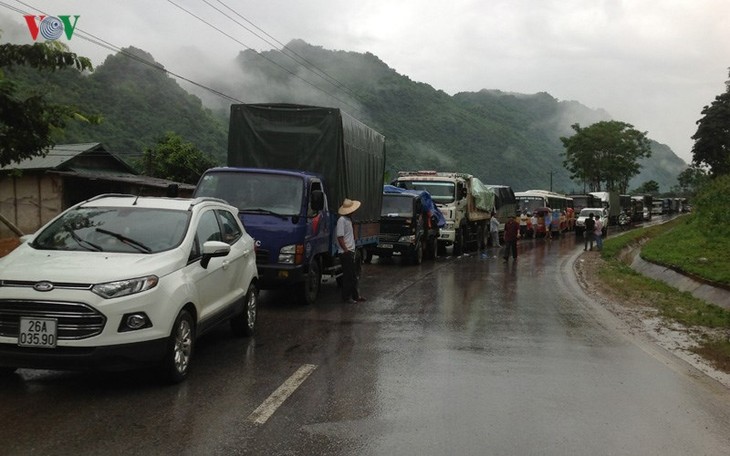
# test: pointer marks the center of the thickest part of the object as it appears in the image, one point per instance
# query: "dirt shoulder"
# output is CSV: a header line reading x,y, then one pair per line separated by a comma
x,y
644,320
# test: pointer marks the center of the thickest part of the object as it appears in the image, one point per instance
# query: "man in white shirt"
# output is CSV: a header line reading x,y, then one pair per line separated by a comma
x,y
346,249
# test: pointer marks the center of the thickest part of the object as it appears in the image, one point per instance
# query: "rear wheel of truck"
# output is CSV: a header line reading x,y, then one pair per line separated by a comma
x,y
483,237
417,253
431,249
459,242
310,287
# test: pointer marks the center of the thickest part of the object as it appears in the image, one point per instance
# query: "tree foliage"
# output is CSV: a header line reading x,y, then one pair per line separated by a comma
x,y
691,179
712,139
175,159
711,206
650,186
27,118
606,152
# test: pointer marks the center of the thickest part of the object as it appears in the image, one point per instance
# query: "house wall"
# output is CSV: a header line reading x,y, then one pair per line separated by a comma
x,y
29,201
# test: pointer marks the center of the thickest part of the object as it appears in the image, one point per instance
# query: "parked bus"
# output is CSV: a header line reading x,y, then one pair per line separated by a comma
x,y
584,200
531,200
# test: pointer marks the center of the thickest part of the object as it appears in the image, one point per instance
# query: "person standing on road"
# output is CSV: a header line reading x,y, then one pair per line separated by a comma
x,y
598,232
346,249
511,234
494,229
590,227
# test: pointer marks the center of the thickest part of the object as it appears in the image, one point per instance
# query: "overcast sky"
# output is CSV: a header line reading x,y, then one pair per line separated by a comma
x,y
652,63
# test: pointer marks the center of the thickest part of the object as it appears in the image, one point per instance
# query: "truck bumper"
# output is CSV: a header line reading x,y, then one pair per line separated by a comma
x,y
388,248
447,236
280,276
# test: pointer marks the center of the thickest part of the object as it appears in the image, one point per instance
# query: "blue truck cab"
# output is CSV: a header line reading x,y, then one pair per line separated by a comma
x,y
289,169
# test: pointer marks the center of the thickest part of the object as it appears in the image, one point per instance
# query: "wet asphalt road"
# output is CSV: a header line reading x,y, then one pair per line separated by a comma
x,y
462,356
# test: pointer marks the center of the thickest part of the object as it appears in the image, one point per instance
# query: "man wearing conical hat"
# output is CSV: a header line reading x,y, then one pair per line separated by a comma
x,y
346,249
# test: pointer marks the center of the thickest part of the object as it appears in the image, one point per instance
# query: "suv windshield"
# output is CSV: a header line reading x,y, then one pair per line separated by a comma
x,y
115,229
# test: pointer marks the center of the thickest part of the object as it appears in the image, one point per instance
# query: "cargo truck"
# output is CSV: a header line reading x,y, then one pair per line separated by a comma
x,y
289,169
465,202
410,225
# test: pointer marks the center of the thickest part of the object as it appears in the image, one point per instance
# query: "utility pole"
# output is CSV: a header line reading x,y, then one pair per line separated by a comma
x,y
551,180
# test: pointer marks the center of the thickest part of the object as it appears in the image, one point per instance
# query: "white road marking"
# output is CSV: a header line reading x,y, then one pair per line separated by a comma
x,y
274,401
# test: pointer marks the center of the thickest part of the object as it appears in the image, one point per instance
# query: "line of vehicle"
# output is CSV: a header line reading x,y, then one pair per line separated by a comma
x,y
267,408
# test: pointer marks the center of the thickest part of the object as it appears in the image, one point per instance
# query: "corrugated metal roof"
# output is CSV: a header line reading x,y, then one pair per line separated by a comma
x,y
56,157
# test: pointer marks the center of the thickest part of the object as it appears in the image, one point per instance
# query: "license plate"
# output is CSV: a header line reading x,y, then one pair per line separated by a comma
x,y
385,246
37,332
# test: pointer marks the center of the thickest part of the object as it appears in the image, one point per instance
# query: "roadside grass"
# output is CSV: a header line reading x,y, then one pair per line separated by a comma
x,y
672,304
687,249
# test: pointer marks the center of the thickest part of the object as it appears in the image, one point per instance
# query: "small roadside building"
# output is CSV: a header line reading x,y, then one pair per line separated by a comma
x,y
35,190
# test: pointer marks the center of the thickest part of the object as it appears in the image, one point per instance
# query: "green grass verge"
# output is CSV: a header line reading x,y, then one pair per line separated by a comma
x,y
685,248
671,303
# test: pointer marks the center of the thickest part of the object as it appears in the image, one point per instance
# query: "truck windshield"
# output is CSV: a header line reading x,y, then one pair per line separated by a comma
x,y
255,192
397,206
441,192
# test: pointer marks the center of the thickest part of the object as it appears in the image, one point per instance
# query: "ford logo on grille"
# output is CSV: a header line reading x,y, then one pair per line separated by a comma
x,y
43,286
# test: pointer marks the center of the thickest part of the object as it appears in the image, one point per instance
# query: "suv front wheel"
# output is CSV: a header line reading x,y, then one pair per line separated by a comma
x,y
176,364
244,323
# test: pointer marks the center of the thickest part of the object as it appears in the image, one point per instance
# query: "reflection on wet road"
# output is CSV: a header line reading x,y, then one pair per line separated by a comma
x,y
458,356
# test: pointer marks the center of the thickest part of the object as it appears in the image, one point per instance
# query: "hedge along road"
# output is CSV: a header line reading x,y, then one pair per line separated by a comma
x,y
458,356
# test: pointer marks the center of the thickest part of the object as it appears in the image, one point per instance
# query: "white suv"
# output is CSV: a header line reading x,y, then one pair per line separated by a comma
x,y
580,222
119,282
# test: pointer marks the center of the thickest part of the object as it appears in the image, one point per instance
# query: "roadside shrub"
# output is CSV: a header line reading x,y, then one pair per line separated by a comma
x,y
712,206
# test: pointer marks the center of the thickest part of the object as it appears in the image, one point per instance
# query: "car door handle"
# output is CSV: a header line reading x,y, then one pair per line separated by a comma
x,y
246,252
225,264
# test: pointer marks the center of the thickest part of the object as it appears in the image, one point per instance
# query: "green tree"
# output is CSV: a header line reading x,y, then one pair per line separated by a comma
x,y
28,120
650,186
174,159
691,179
607,153
711,205
712,139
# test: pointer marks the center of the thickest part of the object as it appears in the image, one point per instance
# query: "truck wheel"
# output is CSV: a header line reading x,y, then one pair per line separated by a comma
x,y
431,249
310,287
417,253
459,242
176,364
483,237
244,323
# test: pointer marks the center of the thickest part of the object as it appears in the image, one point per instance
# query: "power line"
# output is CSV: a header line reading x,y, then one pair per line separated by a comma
x,y
282,67
299,59
107,45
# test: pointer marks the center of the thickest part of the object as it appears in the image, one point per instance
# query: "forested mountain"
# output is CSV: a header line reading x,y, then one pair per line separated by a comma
x,y
137,103
503,138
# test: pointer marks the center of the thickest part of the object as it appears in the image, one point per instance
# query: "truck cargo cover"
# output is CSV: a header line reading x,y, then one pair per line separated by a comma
x,y
483,195
348,154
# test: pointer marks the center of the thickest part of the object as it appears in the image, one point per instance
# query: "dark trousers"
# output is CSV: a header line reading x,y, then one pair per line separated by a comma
x,y
510,246
349,276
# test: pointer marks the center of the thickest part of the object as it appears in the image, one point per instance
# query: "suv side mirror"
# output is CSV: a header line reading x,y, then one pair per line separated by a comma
x,y
317,203
213,249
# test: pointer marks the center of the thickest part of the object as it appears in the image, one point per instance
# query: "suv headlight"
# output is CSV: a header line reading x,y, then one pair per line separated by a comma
x,y
409,239
125,287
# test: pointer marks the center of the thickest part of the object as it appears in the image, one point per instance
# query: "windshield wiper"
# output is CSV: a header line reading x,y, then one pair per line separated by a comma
x,y
136,244
81,241
264,211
